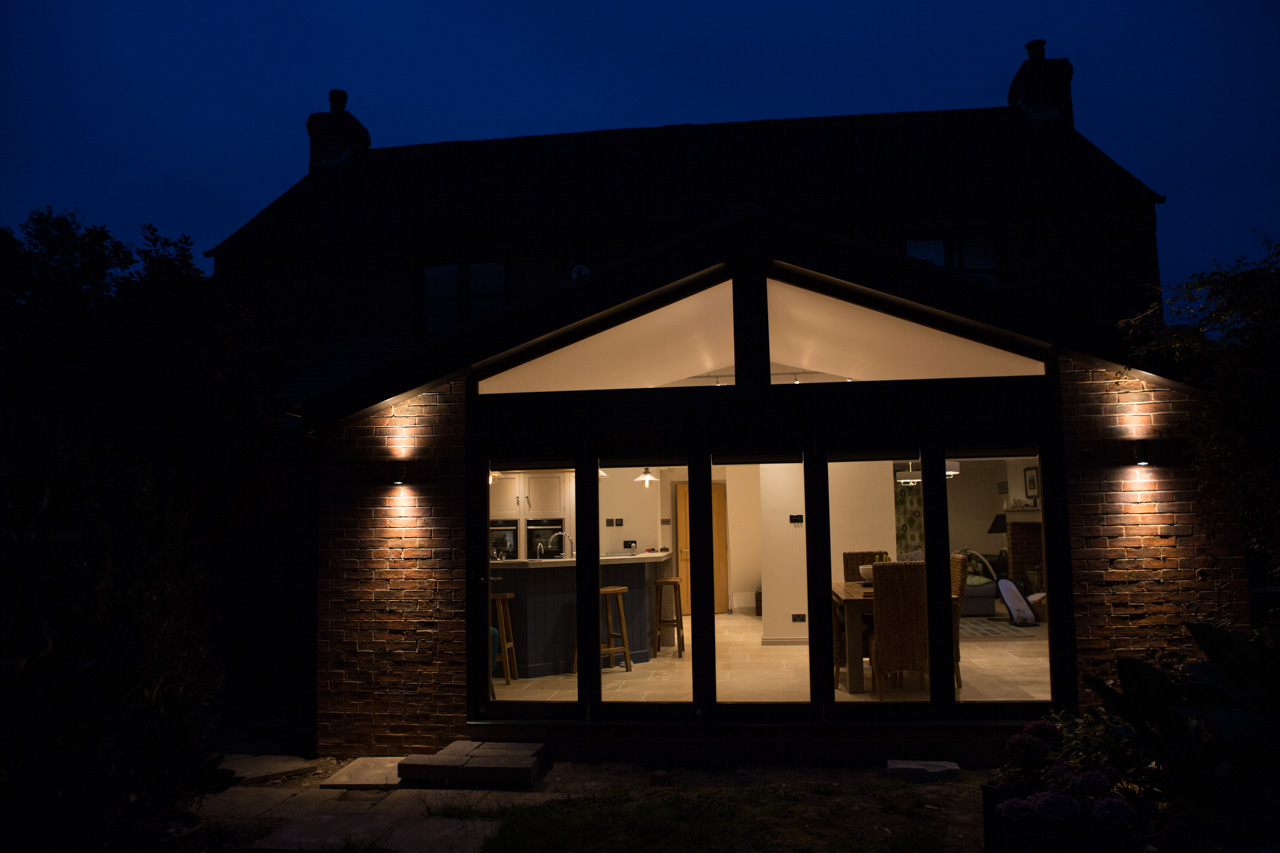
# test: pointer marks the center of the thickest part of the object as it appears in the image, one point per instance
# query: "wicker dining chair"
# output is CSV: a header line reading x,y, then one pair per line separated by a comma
x,y
959,582
900,642
853,561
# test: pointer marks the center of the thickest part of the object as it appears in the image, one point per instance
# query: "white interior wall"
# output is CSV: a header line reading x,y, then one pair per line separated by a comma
x,y
861,509
782,553
742,494
973,501
638,507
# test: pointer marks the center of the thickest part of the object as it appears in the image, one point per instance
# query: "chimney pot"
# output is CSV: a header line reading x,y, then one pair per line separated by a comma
x,y
1035,50
336,135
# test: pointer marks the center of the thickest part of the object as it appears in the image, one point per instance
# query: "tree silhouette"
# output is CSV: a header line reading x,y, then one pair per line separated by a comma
x,y
129,422
1224,337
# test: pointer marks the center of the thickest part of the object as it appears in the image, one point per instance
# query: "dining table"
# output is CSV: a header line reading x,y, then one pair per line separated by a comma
x,y
858,600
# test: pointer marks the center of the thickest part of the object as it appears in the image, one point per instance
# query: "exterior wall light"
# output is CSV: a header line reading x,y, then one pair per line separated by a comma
x,y
397,472
1140,453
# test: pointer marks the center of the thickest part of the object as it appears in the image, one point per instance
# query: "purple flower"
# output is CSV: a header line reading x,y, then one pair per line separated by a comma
x,y
1052,806
1114,810
1024,747
1045,731
1092,783
1015,809
1062,777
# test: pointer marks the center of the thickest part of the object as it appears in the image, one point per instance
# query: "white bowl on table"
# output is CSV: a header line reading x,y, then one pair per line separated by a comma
x,y
866,571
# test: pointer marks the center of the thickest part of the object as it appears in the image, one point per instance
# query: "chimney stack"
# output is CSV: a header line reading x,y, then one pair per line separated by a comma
x,y
335,135
1042,87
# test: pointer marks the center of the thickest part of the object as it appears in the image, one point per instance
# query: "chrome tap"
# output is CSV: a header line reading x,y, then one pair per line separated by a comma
x,y
539,550
567,538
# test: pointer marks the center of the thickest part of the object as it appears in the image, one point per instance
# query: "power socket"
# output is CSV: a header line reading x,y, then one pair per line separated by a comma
x,y
797,617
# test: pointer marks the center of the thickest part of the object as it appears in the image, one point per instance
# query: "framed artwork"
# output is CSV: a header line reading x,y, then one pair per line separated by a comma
x,y
1031,478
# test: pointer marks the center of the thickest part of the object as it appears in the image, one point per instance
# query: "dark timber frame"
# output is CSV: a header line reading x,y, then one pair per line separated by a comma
x,y
756,421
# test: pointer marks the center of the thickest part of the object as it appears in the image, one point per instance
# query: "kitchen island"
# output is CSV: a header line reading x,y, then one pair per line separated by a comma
x,y
542,611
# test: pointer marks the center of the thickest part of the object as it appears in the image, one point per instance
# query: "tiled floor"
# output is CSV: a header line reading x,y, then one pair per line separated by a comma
x,y
992,669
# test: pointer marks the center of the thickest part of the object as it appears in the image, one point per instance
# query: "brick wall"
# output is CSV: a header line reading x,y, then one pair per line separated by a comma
x,y
1145,555
391,676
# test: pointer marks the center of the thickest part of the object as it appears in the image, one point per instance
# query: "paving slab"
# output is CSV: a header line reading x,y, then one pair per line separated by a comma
x,y
460,747
439,833
367,773
242,802
475,764
308,801
429,801
328,832
264,768
924,771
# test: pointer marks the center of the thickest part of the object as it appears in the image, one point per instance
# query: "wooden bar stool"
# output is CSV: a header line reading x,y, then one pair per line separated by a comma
x,y
506,643
677,622
609,648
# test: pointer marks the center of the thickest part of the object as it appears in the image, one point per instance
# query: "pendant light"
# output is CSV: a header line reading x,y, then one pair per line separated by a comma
x,y
646,478
908,477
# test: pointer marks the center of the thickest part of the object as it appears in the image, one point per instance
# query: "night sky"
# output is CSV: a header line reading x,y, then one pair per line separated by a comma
x,y
192,116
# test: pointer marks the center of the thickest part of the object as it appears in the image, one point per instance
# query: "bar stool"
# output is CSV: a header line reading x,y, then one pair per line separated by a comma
x,y
608,648
677,622
506,643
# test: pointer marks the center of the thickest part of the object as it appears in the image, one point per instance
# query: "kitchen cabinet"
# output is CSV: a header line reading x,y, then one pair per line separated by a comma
x,y
526,495
505,498
544,494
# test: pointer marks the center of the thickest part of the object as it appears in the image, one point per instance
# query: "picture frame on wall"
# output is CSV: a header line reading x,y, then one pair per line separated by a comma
x,y
1031,479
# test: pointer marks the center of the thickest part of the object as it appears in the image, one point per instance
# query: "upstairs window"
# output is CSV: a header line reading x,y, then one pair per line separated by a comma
x,y
457,296
972,254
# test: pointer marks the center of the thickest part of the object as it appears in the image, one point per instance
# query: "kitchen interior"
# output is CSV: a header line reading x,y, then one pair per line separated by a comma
x,y
762,617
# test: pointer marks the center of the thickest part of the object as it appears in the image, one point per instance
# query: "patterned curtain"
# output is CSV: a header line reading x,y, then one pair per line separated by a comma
x,y
908,508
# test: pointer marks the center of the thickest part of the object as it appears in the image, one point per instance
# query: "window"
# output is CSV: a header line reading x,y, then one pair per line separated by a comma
x,y
972,254
461,295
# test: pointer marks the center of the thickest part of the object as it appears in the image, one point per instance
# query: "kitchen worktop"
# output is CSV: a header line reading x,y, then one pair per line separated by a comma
x,y
608,560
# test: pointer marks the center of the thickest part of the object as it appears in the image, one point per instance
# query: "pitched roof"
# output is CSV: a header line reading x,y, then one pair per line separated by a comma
x,y
934,296
668,179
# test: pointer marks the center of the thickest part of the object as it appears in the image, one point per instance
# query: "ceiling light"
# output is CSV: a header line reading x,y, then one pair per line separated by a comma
x,y
908,477
646,478
953,468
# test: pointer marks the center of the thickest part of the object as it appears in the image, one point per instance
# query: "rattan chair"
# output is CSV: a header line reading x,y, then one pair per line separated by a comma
x,y
959,582
900,642
853,561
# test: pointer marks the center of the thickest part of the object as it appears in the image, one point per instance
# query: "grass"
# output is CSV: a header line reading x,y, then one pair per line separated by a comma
x,y
877,816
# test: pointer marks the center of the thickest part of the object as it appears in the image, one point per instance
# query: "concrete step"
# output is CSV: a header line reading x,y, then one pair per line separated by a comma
x,y
475,764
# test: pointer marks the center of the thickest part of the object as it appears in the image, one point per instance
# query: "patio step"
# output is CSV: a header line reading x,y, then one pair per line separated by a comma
x,y
475,764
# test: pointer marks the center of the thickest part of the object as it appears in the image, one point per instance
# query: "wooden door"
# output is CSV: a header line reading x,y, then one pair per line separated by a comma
x,y
720,534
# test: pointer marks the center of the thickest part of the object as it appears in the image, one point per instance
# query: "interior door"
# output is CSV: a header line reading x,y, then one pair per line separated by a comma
x,y
720,533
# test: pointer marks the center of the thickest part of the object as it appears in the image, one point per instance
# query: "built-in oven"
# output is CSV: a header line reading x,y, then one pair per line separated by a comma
x,y
503,536
539,531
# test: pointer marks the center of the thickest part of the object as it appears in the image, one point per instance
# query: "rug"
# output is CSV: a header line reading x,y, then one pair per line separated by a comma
x,y
972,629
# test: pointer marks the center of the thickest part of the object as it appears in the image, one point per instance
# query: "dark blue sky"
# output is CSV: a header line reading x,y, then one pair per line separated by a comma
x,y
192,116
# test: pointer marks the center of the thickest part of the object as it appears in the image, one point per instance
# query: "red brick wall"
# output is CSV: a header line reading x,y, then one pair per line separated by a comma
x,y
1145,555
391,675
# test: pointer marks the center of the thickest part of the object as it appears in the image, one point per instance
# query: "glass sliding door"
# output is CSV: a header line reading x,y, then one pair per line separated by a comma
x,y
995,524
762,633
880,626
644,587
532,586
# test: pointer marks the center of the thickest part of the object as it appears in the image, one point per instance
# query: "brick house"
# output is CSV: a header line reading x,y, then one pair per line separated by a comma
x,y
813,337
